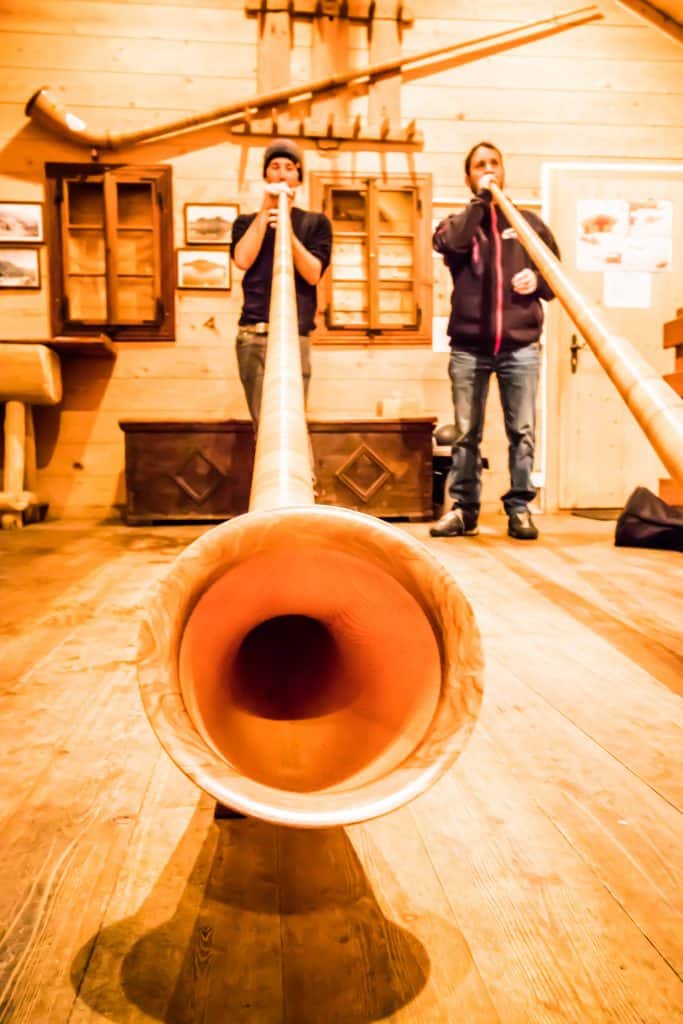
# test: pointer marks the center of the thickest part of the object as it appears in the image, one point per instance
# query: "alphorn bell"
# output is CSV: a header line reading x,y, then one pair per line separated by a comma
x,y
303,664
655,405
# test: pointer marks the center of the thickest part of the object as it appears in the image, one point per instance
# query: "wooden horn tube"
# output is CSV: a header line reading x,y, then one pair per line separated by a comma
x,y
44,108
307,665
283,475
655,405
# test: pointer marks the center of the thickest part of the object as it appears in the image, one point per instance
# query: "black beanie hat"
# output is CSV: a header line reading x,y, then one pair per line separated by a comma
x,y
283,147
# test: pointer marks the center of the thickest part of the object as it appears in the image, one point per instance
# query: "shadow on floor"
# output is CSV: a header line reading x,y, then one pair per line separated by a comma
x,y
273,925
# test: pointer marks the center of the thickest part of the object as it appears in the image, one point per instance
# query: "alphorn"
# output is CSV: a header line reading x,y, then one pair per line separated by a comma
x,y
307,665
44,109
655,405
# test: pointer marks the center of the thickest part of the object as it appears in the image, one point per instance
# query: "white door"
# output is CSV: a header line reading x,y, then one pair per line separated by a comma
x,y
611,223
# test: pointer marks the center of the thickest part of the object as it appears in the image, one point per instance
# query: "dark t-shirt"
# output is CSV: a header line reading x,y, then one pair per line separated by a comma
x,y
314,231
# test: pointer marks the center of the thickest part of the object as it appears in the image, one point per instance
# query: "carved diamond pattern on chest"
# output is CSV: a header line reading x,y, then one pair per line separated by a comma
x,y
364,473
199,477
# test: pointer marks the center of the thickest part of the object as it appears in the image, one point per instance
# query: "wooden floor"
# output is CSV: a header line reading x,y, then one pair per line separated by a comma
x,y
540,881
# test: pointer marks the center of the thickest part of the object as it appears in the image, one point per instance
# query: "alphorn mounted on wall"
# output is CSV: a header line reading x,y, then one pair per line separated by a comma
x,y
44,109
654,404
303,664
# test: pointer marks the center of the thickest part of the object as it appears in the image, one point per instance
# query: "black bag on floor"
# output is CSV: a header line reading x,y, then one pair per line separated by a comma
x,y
648,522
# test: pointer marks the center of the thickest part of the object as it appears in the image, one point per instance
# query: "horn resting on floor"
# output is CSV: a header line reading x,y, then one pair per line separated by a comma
x,y
303,664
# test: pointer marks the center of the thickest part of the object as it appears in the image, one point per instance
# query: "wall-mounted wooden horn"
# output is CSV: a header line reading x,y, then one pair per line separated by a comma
x,y
46,110
655,405
307,665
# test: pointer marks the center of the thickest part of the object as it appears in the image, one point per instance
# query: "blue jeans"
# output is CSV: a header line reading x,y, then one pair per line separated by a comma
x,y
517,374
251,361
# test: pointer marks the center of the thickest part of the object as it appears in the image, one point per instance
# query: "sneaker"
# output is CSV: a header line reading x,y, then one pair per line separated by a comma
x,y
456,523
521,526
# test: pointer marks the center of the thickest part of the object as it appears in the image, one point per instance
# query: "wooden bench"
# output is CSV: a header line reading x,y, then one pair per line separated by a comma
x,y
201,470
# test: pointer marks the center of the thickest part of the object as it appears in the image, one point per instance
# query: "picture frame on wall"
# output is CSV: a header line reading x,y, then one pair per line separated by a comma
x,y
204,269
209,223
19,267
21,222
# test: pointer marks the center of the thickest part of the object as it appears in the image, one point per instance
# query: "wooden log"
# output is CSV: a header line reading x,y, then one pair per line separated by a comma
x,y
13,499
30,460
15,432
30,372
16,502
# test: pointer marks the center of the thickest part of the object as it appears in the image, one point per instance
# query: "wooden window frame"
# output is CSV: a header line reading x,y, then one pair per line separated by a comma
x,y
162,326
421,185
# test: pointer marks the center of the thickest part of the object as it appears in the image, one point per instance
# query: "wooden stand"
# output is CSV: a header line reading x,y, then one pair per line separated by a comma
x,y
29,374
194,470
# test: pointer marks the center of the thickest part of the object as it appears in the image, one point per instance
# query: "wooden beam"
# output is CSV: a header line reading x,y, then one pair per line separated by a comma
x,y
655,16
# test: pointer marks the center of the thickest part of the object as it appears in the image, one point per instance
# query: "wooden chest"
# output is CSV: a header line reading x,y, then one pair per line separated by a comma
x,y
379,466
193,470
187,470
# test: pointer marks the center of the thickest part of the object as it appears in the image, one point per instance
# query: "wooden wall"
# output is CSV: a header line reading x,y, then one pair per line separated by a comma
x,y
612,89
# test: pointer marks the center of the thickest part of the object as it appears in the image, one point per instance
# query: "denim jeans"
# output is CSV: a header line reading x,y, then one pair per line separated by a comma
x,y
251,361
517,373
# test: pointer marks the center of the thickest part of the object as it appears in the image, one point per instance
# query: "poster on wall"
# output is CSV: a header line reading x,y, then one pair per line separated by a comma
x,y
617,234
626,289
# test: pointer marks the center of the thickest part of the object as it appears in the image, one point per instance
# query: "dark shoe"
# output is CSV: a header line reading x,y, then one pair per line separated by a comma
x,y
456,523
521,526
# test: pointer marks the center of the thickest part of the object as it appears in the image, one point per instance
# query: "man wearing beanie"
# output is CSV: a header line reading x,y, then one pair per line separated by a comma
x,y
252,247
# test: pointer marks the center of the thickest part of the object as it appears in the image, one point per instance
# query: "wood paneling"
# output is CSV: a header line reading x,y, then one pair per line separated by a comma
x,y
123,53
612,89
40,17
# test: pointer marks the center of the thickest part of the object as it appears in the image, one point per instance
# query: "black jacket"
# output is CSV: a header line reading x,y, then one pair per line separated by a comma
x,y
483,253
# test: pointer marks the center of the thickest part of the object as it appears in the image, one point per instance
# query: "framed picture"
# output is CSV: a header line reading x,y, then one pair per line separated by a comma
x,y
19,267
209,223
207,269
21,222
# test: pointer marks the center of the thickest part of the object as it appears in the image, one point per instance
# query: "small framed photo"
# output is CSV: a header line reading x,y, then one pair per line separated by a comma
x,y
21,222
209,223
206,269
19,267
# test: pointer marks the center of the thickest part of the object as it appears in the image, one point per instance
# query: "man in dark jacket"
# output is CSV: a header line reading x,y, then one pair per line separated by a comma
x,y
494,327
252,249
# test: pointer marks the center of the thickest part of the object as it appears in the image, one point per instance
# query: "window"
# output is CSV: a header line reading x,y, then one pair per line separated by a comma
x,y
378,287
111,250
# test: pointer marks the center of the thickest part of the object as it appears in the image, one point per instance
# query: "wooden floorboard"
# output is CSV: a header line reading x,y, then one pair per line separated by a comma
x,y
538,881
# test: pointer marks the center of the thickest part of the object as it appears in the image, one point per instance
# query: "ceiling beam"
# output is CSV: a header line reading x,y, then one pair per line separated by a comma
x,y
665,22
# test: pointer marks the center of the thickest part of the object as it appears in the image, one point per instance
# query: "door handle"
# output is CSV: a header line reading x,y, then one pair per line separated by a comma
x,y
574,349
